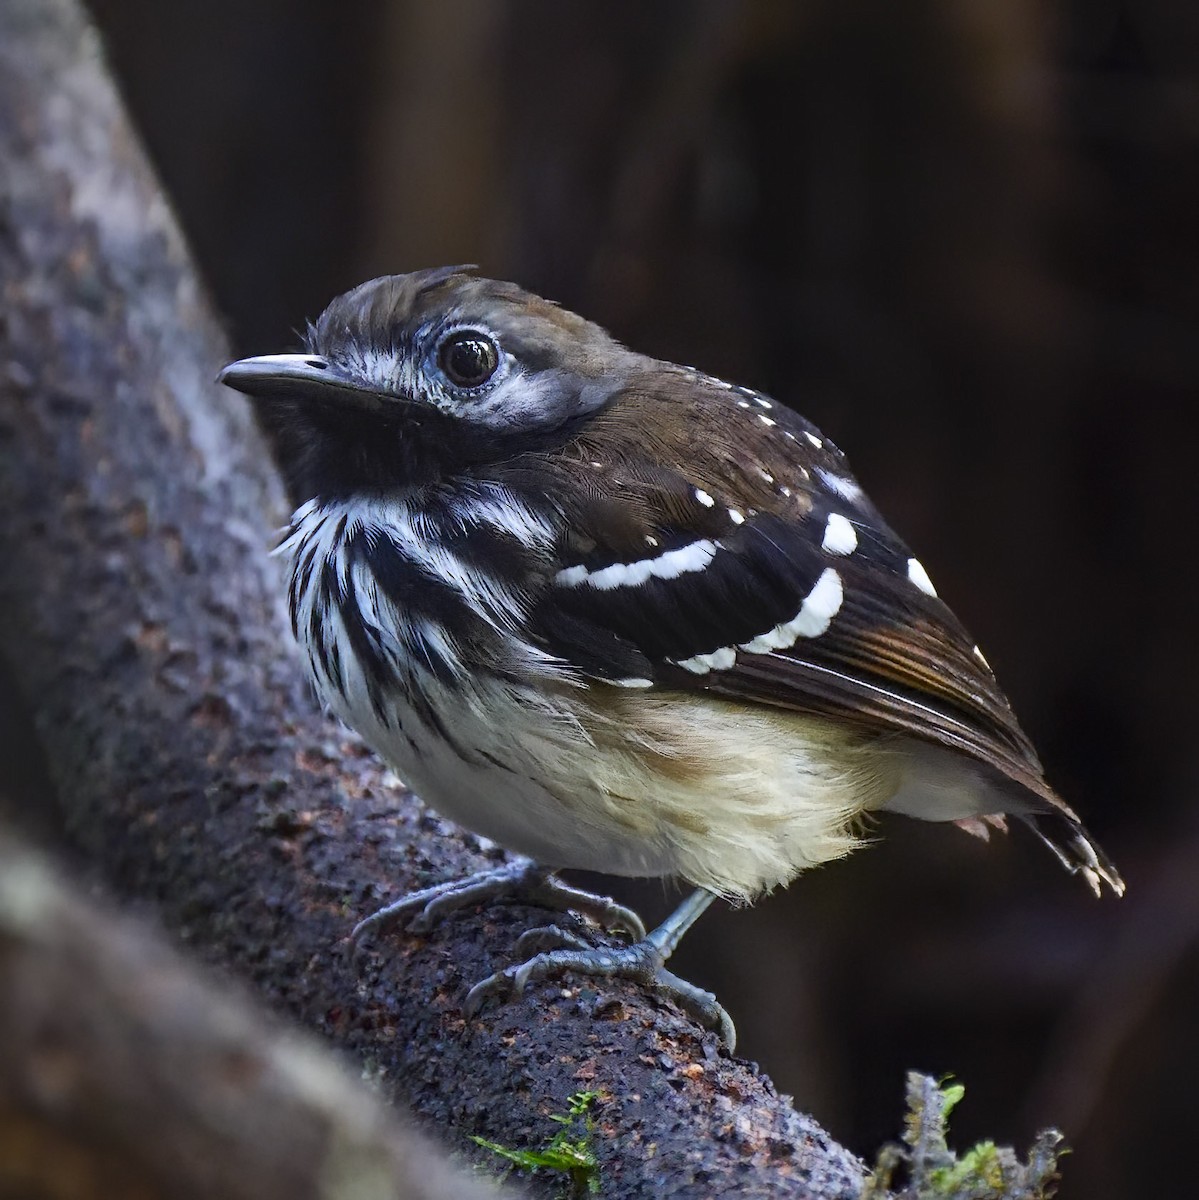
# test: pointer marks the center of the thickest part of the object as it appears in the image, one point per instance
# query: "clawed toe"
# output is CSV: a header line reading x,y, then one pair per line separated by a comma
x,y
640,962
703,1006
519,882
550,950
603,910
547,937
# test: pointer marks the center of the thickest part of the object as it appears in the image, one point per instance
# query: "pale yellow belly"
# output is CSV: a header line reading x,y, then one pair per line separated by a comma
x,y
727,797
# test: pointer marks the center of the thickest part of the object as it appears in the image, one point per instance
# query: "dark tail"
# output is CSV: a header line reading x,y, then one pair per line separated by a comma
x,y
1076,849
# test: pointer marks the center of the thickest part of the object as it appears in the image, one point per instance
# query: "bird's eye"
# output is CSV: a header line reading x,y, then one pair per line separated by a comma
x,y
468,358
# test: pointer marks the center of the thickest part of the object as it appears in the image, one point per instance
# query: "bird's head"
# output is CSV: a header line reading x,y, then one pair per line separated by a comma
x,y
408,378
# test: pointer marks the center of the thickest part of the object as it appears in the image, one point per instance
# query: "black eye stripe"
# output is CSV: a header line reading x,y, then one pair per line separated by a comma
x,y
468,358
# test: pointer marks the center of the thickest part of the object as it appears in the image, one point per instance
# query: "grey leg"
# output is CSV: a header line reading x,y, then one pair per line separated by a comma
x,y
643,962
522,881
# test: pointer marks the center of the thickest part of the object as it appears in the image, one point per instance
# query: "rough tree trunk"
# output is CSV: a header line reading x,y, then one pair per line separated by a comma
x,y
140,618
125,1073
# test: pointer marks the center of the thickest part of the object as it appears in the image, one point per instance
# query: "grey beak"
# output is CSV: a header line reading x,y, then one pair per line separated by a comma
x,y
296,377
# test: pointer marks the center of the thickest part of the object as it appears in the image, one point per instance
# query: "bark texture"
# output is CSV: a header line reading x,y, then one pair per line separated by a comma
x,y
140,616
124,1071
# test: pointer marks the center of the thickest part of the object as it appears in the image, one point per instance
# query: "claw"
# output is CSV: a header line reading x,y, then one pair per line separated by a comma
x,y
521,881
641,962
547,937
524,881
703,1006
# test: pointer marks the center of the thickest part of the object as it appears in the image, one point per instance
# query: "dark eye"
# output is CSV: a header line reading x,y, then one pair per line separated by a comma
x,y
468,358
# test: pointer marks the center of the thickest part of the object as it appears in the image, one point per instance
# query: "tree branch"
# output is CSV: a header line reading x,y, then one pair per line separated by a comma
x,y
124,1071
140,615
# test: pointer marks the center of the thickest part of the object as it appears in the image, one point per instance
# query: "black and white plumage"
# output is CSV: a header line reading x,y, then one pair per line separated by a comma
x,y
615,613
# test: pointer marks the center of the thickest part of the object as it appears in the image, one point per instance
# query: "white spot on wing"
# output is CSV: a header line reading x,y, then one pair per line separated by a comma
x,y
841,485
704,498
919,576
672,564
572,576
764,403
982,658
815,615
814,440
766,420
718,660
736,517
632,683
840,537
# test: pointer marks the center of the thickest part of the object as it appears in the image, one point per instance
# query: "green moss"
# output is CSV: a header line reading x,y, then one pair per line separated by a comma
x,y
934,1172
568,1151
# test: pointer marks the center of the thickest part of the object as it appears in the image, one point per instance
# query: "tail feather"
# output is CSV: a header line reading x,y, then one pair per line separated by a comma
x,y
1075,849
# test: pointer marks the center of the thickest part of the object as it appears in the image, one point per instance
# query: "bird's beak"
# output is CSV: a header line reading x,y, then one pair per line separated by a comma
x,y
297,377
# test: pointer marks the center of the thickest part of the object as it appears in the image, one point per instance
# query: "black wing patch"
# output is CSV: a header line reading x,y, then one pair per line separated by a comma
x,y
748,584
815,606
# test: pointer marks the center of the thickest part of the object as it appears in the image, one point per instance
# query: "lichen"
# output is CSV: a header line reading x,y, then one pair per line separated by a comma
x,y
934,1172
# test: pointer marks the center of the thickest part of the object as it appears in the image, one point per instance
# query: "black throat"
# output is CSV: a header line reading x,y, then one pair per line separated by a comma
x,y
332,453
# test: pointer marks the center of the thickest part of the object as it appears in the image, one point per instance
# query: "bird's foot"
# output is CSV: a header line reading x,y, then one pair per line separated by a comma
x,y
520,882
643,962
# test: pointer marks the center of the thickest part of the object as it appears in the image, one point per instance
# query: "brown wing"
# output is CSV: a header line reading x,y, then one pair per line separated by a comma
x,y
760,571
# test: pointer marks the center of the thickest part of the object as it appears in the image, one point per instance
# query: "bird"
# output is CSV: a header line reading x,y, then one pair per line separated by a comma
x,y
614,613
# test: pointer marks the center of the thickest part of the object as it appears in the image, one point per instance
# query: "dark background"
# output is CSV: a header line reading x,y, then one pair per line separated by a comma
x,y
962,237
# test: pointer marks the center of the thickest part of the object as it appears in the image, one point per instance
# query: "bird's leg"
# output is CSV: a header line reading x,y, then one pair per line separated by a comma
x,y
521,882
644,962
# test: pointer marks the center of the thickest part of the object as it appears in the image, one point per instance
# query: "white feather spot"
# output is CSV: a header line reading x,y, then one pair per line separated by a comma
x,y
784,490
704,498
718,660
762,403
572,576
632,683
814,440
840,537
766,420
650,540
919,576
766,475
841,485
982,658
742,403
736,517
672,564
815,615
